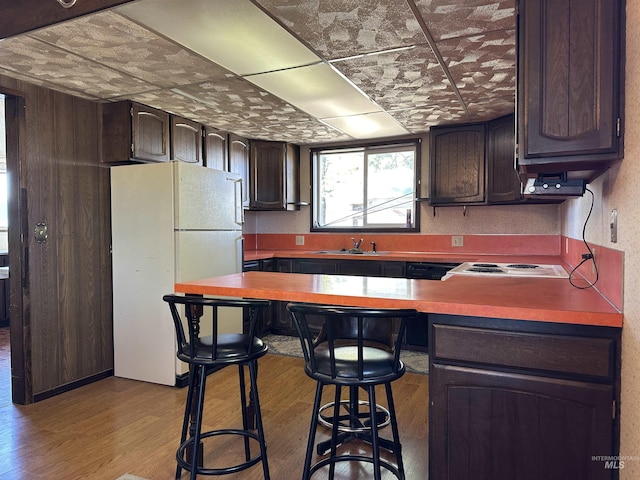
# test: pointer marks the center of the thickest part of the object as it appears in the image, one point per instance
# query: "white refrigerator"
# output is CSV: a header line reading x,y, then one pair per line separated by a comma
x,y
170,222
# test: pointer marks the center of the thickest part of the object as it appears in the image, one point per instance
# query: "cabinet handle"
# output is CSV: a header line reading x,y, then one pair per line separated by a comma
x,y
67,4
184,125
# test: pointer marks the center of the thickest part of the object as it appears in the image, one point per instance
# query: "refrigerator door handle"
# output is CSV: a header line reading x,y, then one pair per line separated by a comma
x,y
237,201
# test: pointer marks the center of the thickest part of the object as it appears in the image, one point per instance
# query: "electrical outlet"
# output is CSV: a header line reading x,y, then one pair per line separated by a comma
x,y
299,239
457,241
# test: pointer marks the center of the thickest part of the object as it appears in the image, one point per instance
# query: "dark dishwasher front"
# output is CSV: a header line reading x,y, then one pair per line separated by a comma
x,y
417,334
429,270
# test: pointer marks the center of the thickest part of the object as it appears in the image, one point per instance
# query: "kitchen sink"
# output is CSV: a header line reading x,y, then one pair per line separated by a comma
x,y
347,252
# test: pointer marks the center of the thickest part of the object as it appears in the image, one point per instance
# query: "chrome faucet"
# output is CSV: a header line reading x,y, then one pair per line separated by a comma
x,y
356,244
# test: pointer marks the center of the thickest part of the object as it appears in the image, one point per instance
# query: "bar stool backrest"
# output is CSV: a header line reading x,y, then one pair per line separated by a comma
x,y
215,347
367,334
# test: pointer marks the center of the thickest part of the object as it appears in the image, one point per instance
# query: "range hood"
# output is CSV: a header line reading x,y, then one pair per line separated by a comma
x,y
555,186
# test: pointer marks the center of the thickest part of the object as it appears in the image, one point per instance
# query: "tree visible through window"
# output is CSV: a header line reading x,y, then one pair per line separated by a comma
x,y
369,187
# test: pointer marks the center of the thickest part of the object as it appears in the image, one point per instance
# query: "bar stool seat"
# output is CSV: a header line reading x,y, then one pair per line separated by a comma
x,y
354,350
206,354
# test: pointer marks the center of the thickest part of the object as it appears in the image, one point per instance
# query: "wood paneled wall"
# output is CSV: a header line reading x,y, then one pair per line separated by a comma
x,y
66,289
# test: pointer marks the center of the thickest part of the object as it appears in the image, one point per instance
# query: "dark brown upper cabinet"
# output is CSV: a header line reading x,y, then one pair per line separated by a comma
x,y
503,182
569,91
186,141
27,15
274,176
239,163
131,131
457,165
215,149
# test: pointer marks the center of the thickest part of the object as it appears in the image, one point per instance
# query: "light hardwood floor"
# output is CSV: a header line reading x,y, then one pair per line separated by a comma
x,y
117,426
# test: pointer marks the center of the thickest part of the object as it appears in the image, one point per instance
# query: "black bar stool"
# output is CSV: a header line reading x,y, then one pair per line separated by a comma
x,y
205,355
355,350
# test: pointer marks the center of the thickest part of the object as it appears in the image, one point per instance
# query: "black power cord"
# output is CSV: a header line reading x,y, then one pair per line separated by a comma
x,y
586,256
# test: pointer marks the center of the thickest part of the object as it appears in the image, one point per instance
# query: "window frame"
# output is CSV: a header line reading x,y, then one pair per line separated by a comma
x,y
370,146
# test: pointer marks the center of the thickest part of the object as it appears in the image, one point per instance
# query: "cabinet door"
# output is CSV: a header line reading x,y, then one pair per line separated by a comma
x,y
457,165
186,141
494,425
310,265
569,84
283,265
239,163
150,134
360,267
503,182
215,149
267,177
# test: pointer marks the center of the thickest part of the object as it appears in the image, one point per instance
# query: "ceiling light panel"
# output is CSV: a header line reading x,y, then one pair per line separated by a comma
x,y
372,125
232,33
316,89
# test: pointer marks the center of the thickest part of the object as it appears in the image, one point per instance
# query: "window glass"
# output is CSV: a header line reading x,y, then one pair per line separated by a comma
x,y
370,187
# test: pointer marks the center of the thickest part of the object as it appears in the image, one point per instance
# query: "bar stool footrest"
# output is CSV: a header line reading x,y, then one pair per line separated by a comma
x,y
354,458
180,454
382,415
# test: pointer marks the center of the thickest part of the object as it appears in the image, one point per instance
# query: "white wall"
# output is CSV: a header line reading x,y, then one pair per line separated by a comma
x,y
619,188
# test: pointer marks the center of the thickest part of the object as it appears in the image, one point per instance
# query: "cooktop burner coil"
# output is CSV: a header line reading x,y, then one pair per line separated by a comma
x,y
493,269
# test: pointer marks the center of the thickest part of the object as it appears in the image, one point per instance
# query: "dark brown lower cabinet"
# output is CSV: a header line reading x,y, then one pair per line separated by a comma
x,y
494,425
522,400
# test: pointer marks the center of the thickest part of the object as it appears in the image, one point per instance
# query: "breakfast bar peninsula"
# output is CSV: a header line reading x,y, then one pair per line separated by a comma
x,y
524,372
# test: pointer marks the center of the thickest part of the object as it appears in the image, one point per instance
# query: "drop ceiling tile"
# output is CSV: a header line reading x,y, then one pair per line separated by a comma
x,y
451,18
171,102
243,100
112,40
342,28
305,133
52,66
401,79
484,70
40,83
272,123
418,120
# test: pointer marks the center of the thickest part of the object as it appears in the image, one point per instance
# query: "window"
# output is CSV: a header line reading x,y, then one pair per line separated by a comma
x,y
369,187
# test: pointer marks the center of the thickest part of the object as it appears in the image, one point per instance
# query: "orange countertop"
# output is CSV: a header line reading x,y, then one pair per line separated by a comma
x,y
405,256
536,299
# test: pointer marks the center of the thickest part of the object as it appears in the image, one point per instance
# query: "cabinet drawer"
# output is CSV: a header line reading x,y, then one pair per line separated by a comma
x,y
557,353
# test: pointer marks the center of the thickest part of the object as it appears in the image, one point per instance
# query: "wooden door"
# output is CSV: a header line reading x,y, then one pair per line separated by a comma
x,y
503,182
60,286
215,149
569,94
267,176
186,141
491,425
457,165
239,163
150,133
